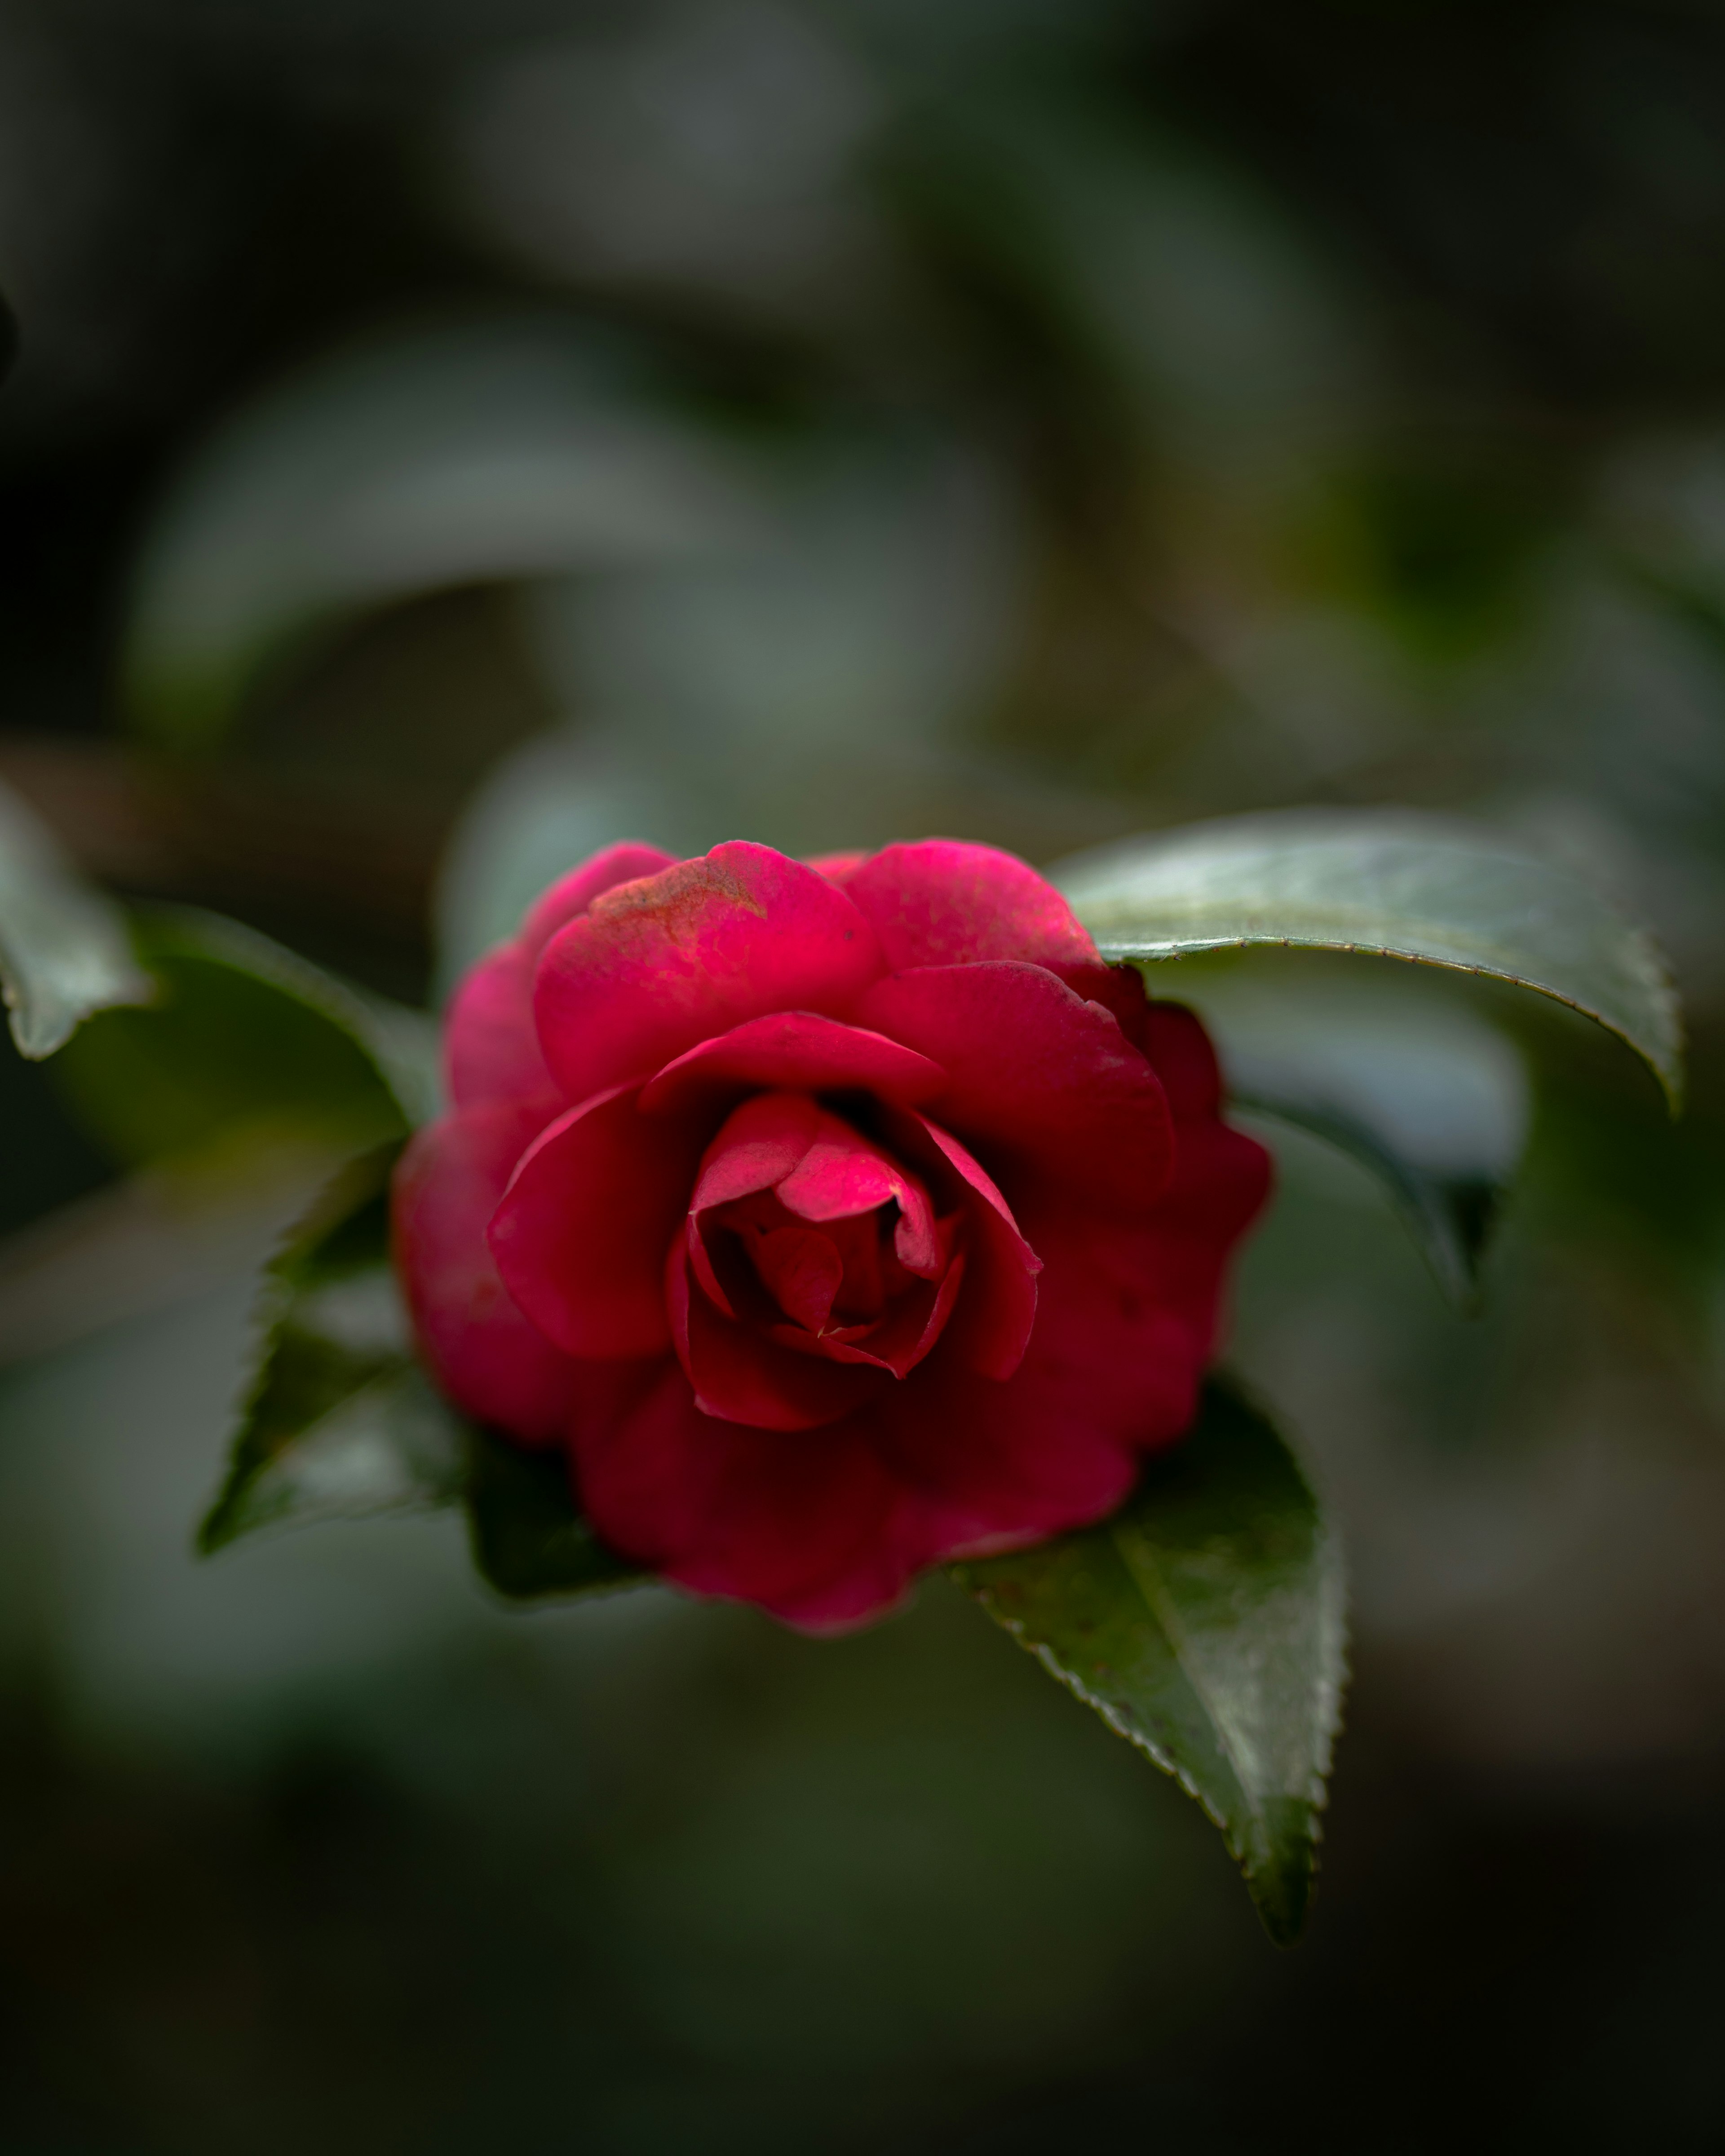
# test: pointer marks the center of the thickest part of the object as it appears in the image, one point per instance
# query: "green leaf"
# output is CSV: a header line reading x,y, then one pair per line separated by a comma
x,y
64,953
1204,1622
1398,884
488,452
528,1538
245,1044
339,1420
1423,1092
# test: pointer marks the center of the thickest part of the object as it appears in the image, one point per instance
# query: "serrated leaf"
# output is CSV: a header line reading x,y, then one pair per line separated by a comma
x,y
64,950
1397,884
529,1539
1422,1092
245,1043
338,1422
1204,1622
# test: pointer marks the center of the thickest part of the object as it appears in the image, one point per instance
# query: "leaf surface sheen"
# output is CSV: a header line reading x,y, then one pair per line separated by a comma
x,y
64,952
1204,1622
340,1420
1391,883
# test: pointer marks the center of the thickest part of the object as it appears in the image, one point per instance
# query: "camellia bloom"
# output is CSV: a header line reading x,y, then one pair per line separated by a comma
x,y
838,1218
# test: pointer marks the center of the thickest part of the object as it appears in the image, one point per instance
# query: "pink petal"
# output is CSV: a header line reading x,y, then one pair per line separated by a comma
x,y
999,1312
1042,1081
482,1348
491,1049
1185,1060
941,903
740,1376
799,1051
626,862
802,1527
898,1342
655,967
758,1145
580,1235
802,1271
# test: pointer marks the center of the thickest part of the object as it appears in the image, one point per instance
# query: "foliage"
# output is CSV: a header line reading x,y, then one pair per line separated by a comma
x,y
1205,1620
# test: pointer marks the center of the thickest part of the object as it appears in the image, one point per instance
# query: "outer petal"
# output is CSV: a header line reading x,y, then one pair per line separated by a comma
x,y
801,1523
580,1236
796,1050
944,903
485,1353
491,1051
1042,1081
626,862
658,966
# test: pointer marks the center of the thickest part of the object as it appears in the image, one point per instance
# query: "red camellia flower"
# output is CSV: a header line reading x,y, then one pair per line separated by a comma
x,y
838,1218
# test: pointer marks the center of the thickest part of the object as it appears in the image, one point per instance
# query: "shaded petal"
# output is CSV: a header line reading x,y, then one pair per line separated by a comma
x,y
740,1375
799,1050
581,1234
655,967
999,1312
1043,1080
803,1526
942,902
481,1348
898,1342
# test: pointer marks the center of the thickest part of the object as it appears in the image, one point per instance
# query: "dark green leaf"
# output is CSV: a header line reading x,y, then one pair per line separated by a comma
x,y
1204,1622
245,1044
1398,884
339,1422
64,953
528,1538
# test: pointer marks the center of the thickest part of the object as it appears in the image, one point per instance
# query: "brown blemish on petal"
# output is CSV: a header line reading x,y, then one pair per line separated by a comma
x,y
677,902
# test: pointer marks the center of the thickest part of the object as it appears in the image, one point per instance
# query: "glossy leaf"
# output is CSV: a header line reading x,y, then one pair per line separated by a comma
x,y
245,1045
1399,885
529,1538
1204,1622
339,1421
1421,1090
64,952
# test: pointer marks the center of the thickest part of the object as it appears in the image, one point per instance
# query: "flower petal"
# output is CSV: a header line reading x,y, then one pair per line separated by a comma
x,y
942,902
998,1311
482,1349
797,1050
740,1376
803,1526
491,1051
581,1234
656,966
1043,1080
626,862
